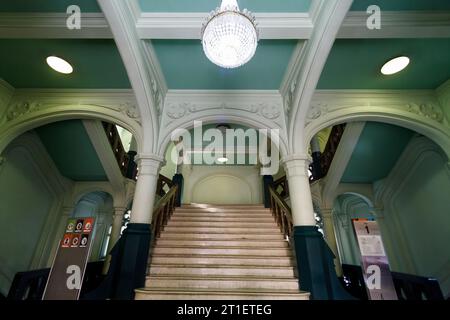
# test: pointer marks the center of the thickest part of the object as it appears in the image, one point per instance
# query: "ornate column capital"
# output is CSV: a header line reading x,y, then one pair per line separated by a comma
x,y
297,165
119,212
326,212
149,164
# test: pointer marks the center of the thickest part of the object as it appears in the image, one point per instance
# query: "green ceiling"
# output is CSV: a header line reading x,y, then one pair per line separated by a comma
x,y
377,151
208,5
71,149
96,63
185,66
356,64
47,5
398,5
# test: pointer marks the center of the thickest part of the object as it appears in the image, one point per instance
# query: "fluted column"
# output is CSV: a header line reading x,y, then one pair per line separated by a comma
x,y
330,237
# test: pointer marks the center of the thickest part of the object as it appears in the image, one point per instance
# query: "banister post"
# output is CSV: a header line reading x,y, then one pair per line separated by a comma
x,y
178,180
267,181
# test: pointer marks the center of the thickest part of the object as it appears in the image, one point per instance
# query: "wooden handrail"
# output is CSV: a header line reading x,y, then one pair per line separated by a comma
x,y
281,187
164,210
281,212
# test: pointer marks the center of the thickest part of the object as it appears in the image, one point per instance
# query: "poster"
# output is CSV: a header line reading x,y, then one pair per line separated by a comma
x,y
377,275
67,272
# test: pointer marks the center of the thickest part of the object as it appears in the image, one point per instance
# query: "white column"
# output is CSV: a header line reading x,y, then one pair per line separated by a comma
x,y
296,168
330,237
144,195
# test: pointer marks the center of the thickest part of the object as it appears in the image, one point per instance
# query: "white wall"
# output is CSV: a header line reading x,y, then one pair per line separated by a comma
x,y
222,184
30,201
417,211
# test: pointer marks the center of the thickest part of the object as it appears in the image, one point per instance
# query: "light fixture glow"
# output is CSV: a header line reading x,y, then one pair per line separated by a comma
x,y
229,36
222,160
395,65
59,65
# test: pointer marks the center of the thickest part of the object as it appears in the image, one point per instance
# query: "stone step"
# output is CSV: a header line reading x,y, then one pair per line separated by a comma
x,y
222,224
212,218
222,294
266,252
226,206
246,211
221,215
227,230
224,260
197,270
223,243
219,282
220,236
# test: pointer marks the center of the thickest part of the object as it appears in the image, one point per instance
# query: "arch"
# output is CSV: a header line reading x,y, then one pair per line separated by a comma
x,y
24,123
435,131
165,138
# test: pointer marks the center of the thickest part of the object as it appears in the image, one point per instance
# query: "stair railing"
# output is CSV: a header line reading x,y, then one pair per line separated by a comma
x,y
164,210
281,187
163,185
281,212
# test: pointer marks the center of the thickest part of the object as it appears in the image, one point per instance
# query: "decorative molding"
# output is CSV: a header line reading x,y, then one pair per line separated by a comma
x,y
27,101
443,94
260,109
394,24
52,26
418,110
187,25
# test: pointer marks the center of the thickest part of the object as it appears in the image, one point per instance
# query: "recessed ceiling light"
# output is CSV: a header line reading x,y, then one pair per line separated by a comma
x,y
395,65
222,160
59,65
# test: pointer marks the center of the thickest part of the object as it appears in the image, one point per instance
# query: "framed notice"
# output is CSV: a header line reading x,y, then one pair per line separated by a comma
x,y
377,275
67,272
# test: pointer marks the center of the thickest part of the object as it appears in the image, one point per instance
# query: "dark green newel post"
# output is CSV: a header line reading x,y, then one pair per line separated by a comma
x,y
178,180
315,263
133,260
267,181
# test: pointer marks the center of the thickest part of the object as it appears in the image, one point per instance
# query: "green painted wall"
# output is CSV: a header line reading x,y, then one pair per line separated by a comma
x,y
376,152
208,5
97,63
356,64
71,149
185,66
25,203
422,208
398,5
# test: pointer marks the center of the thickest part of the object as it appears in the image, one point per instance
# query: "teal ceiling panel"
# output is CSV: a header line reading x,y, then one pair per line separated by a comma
x,y
377,151
356,64
47,5
399,5
96,63
71,149
208,5
185,66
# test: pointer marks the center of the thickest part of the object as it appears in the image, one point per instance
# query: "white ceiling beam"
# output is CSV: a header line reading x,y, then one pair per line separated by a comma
x,y
411,24
163,25
181,25
52,26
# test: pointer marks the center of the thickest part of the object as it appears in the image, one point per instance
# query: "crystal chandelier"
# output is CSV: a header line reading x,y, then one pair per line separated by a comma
x,y
229,36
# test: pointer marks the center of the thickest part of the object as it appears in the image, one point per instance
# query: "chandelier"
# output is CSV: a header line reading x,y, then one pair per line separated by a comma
x,y
229,36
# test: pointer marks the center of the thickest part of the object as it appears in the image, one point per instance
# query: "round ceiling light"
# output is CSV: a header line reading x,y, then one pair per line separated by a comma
x,y
229,36
59,65
222,160
395,65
